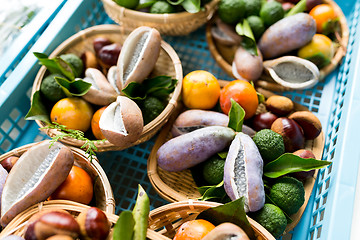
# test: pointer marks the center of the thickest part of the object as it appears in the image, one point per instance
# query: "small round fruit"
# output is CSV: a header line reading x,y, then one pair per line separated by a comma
x,y
263,121
95,124
243,93
213,170
131,4
322,14
193,230
108,55
200,89
9,162
93,224
161,7
52,223
310,124
279,105
77,187
74,113
320,50
303,153
50,89
100,42
291,132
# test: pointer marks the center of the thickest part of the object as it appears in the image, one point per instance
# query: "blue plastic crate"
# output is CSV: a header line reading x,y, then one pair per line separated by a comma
x,y
330,210
27,37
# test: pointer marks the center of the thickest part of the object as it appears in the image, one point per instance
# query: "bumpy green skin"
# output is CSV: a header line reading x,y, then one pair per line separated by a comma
x,y
270,144
256,25
75,62
50,89
151,108
213,170
288,193
272,218
271,12
231,11
252,7
160,7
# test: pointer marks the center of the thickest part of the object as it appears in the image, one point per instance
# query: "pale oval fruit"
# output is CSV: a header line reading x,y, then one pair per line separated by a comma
x,y
246,65
243,173
121,122
101,91
138,56
226,231
37,173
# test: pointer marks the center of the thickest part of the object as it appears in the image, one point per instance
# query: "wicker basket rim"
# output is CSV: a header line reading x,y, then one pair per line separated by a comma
x,y
161,18
21,219
109,196
339,54
102,29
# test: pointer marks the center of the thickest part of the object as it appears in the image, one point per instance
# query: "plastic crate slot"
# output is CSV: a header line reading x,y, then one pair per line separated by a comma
x,y
312,235
314,219
319,232
317,204
324,200
5,145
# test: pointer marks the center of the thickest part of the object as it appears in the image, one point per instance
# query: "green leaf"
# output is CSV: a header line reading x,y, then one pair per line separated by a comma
x,y
298,8
191,6
232,212
222,155
211,192
159,87
134,91
145,4
248,40
289,163
261,98
56,65
141,214
236,116
38,110
124,226
75,88
269,200
175,2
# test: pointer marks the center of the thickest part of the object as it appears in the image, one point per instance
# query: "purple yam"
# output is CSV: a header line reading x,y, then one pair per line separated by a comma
x,y
192,148
288,34
243,172
194,119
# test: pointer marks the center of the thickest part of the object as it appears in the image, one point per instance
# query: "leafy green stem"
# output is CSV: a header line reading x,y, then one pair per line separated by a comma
x,y
89,145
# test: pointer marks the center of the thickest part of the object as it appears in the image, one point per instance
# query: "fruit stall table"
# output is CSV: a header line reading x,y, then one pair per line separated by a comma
x,y
333,209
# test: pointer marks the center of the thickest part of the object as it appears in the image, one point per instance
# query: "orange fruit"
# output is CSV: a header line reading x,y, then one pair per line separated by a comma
x,y
95,123
322,14
193,230
200,89
74,113
77,187
243,93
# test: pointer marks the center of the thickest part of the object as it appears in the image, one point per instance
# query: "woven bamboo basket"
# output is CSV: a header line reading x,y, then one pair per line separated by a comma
x,y
180,186
224,55
168,64
163,221
173,24
103,196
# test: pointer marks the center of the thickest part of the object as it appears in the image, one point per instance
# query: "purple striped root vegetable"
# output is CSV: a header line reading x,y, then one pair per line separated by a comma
x,y
243,172
192,148
194,119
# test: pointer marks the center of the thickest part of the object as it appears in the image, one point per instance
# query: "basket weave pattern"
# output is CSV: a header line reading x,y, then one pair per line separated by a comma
x,y
169,24
163,221
168,64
